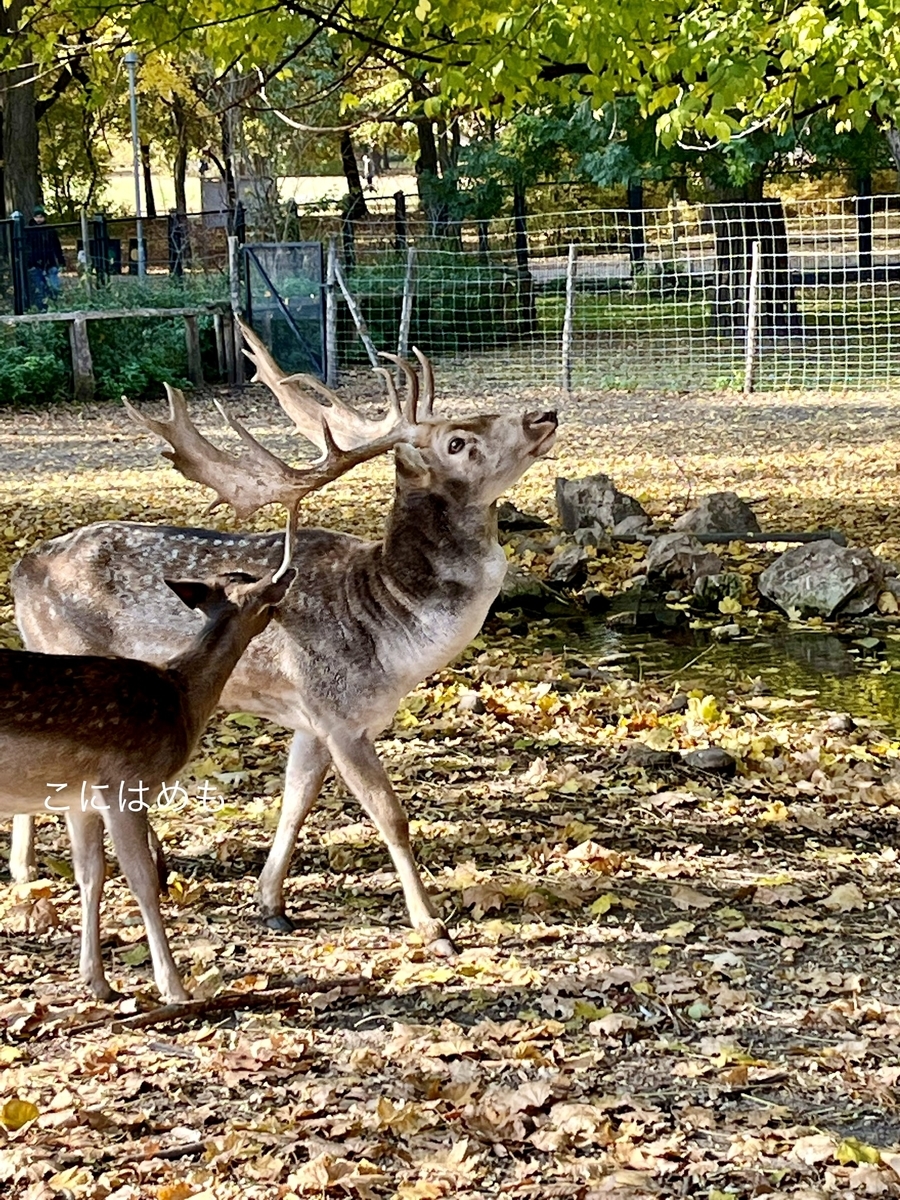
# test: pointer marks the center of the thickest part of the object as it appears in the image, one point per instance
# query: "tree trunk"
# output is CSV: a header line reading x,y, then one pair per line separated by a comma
x,y
149,198
356,200
179,166
21,176
737,227
527,306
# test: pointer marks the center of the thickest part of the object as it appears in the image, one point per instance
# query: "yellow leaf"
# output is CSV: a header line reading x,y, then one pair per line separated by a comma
x,y
730,604
17,1113
852,1151
603,904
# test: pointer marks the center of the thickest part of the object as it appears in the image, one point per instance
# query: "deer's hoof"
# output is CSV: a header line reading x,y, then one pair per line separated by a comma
x,y
278,922
443,948
105,993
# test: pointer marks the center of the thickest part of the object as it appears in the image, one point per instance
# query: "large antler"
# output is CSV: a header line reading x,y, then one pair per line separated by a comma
x,y
255,477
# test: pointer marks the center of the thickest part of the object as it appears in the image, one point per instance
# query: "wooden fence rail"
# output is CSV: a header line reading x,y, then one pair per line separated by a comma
x,y
79,342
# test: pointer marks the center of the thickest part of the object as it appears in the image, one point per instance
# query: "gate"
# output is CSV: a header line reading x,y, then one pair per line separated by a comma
x,y
285,302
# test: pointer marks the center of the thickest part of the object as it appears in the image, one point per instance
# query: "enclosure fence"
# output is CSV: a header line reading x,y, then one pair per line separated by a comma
x,y
780,294
799,294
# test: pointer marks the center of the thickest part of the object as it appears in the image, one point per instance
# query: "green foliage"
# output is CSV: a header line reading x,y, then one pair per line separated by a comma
x,y
34,364
458,305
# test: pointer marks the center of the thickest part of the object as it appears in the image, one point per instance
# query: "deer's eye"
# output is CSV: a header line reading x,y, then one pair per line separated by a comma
x,y
456,444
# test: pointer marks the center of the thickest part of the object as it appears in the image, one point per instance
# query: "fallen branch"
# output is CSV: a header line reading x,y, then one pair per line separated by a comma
x,y
823,535
225,1002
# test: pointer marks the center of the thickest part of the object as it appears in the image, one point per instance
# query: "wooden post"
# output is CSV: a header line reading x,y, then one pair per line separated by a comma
x,y
331,324
569,320
406,308
86,248
221,354
356,314
192,342
82,364
752,319
234,290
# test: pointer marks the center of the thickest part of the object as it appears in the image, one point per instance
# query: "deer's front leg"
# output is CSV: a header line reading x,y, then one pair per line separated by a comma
x,y
22,858
361,769
129,832
307,764
89,863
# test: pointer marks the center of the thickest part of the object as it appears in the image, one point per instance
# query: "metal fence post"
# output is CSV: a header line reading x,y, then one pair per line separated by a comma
x,y
569,320
752,319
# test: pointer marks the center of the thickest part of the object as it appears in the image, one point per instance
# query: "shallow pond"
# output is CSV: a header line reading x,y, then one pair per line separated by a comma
x,y
845,671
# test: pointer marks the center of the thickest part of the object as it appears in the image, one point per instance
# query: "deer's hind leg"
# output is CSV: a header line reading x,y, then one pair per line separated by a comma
x,y
89,863
22,858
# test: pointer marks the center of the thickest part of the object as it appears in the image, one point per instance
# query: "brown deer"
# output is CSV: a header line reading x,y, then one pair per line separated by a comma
x,y
365,621
101,738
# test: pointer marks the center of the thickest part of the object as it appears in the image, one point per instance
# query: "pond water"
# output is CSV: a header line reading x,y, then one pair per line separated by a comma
x,y
842,671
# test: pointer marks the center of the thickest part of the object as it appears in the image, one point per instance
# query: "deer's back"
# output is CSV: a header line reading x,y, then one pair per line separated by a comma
x,y
86,719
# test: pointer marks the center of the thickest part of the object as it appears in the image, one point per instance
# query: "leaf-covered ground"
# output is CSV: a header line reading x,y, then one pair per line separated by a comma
x,y
669,983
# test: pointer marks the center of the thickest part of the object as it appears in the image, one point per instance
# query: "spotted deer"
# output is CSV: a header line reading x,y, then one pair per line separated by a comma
x,y
100,738
364,623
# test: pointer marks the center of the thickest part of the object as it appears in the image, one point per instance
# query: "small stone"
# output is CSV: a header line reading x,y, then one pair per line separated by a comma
x,y
712,759
677,704
840,723
641,755
635,525
720,512
594,536
569,569
594,500
679,560
512,519
470,701
724,633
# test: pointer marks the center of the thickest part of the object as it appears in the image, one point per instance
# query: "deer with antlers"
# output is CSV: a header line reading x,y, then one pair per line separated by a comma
x,y
364,623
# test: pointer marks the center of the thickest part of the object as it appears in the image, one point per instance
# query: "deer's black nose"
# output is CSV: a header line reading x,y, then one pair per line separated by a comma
x,y
547,418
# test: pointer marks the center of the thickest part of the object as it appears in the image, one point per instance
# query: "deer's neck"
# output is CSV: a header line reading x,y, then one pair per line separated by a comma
x,y
203,670
435,542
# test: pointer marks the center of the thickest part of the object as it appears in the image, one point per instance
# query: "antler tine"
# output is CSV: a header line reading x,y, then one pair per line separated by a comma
x,y
428,382
412,384
391,391
290,537
293,394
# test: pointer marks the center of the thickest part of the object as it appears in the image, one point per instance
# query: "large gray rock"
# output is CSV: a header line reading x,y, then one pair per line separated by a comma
x,y
569,568
679,560
720,512
822,578
594,500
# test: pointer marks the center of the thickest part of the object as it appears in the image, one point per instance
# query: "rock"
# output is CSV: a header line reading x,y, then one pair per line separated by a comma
x,y
840,723
679,560
519,590
720,512
510,519
641,755
724,633
594,500
822,578
470,701
677,704
569,569
636,525
710,589
593,535
713,759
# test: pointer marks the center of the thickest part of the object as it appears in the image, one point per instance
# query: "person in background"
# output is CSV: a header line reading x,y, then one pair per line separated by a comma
x,y
45,258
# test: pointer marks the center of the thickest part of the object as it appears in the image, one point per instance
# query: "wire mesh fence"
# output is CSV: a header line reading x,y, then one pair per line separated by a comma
x,y
615,298
642,298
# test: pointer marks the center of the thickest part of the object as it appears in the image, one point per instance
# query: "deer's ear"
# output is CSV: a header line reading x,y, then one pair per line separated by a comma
x,y
190,592
411,465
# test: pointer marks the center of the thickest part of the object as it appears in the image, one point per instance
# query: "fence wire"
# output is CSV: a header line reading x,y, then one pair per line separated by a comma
x,y
654,298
